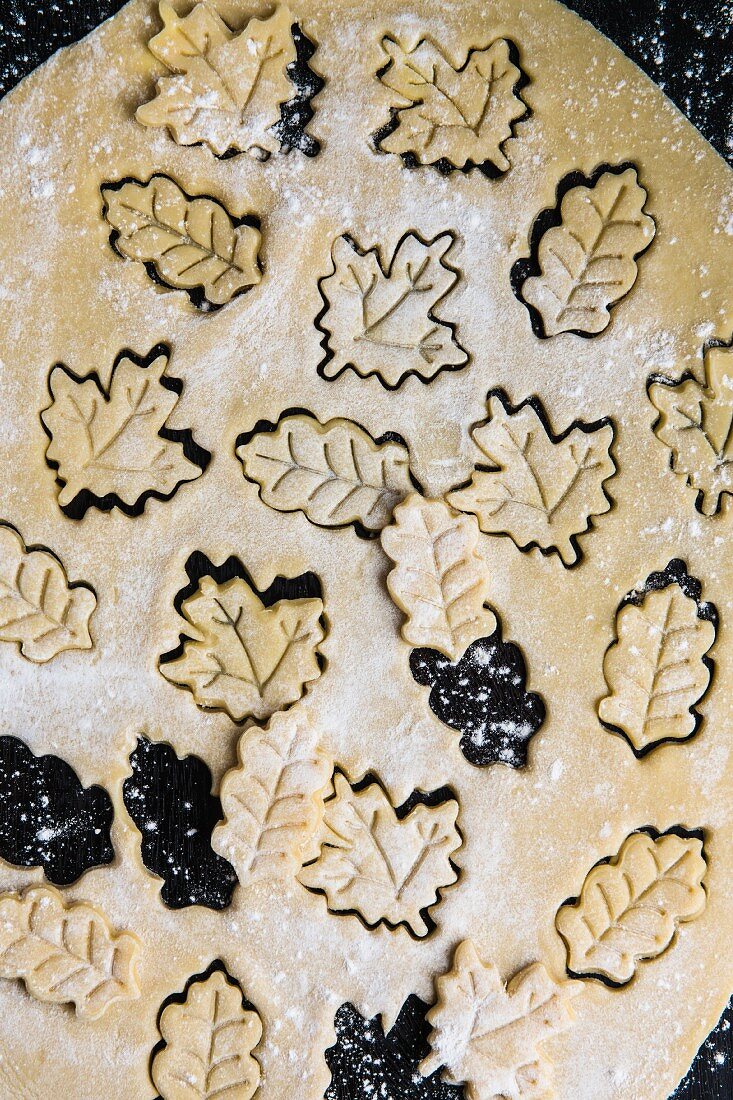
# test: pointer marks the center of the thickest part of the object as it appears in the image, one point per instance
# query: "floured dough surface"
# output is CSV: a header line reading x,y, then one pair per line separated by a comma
x,y
215,350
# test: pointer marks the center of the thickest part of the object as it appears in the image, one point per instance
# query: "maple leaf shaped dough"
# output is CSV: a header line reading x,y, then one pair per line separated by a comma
x,y
485,1034
588,262
66,953
655,669
192,243
273,801
115,444
539,489
382,321
242,657
209,1040
386,867
460,115
629,908
228,86
335,473
696,423
39,609
440,581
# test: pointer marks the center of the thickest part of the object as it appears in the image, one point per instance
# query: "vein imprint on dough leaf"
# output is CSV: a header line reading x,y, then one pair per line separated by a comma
x,y
40,610
383,863
336,473
542,490
585,252
185,243
242,654
381,320
114,447
451,116
696,423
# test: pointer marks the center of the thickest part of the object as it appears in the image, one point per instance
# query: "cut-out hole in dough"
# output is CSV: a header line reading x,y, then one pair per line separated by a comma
x,y
47,818
379,318
170,800
112,447
246,652
335,473
452,117
657,669
584,252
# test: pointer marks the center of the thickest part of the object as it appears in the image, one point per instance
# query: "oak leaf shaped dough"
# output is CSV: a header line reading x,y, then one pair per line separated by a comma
x,y
66,953
228,86
39,609
335,473
113,443
193,243
629,909
655,669
696,423
486,1034
588,262
381,320
382,866
460,115
539,489
209,1041
273,801
440,582
242,657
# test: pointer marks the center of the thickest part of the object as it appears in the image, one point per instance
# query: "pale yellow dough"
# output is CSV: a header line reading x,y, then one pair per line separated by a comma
x,y
531,836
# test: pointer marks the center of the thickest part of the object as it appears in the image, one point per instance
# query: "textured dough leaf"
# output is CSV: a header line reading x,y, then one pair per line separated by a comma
x,y
273,801
539,489
382,321
655,671
588,262
335,473
228,86
486,1034
109,443
209,1041
384,867
66,953
460,115
439,582
244,658
39,609
629,909
696,423
193,243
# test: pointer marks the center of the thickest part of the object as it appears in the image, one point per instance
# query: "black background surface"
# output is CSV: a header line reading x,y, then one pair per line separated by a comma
x,y
686,46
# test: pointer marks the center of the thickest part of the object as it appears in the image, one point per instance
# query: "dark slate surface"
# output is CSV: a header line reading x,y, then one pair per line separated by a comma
x,y
686,46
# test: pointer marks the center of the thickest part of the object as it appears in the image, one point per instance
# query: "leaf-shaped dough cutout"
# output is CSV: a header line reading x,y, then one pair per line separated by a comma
x,y
696,423
335,473
629,908
656,669
440,581
39,609
540,489
190,243
486,1033
447,114
208,1042
242,657
382,321
273,801
66,953
383,864
228,86
114,448
587,263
